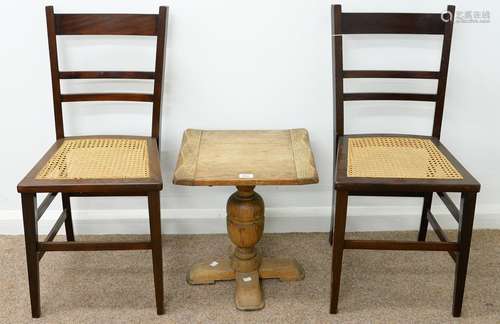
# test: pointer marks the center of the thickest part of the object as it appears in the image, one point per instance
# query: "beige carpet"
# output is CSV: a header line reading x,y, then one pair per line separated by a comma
x,y
377,287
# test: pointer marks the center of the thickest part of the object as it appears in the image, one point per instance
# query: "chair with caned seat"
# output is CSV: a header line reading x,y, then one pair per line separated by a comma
x,y
89,166
398,165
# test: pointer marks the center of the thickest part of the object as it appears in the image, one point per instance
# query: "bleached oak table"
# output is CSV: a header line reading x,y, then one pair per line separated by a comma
x,y
245,159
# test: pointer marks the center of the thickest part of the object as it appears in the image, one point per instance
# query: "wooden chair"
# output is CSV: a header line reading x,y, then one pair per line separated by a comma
x,y
398,165
88,166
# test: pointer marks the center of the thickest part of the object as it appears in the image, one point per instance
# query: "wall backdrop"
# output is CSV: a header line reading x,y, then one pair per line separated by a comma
x,y
248,65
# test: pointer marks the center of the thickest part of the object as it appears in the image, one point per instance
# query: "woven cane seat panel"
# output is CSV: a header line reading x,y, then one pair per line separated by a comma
x,y
98,158
398,157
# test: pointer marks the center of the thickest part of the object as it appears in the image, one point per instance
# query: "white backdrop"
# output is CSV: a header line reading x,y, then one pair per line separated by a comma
x,y
247,65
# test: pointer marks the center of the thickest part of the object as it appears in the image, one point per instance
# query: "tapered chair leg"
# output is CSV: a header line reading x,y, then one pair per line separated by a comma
x,y
31,239
155,229
424,222
68,223
338,247
467,209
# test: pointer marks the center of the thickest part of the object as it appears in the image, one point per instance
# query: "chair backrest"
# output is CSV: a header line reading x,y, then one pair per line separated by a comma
x,y
107,24
390,23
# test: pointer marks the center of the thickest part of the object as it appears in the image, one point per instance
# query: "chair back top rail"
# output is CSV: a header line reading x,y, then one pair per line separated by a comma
x,y
107,24
390,23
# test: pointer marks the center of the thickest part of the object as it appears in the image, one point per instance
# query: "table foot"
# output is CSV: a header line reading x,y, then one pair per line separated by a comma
x,y
248,294
204,273
280,268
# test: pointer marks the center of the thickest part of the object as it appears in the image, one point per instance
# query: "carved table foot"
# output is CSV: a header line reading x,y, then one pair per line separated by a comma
x,y
282,269
248,295
204,273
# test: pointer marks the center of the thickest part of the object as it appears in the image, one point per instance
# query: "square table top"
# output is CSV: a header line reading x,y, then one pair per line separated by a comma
x,y
245,158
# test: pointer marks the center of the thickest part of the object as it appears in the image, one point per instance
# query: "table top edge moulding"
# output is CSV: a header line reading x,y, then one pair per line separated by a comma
x,y
299,170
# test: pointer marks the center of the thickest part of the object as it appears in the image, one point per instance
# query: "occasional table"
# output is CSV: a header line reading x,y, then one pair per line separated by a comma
x,y
245,159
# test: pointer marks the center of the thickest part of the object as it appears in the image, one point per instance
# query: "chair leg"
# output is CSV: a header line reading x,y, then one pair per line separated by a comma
x,y
424,222
332,219
31,239
68,223
330,235
338,247
467,209
155,229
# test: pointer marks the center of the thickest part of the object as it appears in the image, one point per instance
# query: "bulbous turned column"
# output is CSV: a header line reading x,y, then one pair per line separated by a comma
x,y
245,225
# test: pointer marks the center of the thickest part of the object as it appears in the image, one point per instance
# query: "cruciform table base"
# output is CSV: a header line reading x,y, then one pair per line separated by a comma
x,y
245,224
248,294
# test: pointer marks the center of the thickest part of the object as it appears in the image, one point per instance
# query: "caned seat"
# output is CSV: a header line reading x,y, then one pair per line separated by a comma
x,y
373,162
96,163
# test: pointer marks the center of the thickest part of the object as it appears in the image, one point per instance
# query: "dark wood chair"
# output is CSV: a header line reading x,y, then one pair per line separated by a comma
x,y
398,165
88,166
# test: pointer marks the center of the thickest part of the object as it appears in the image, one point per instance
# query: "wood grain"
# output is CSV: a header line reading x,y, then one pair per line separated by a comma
x,y
392,23
302,154
188,156
245,157
106,24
